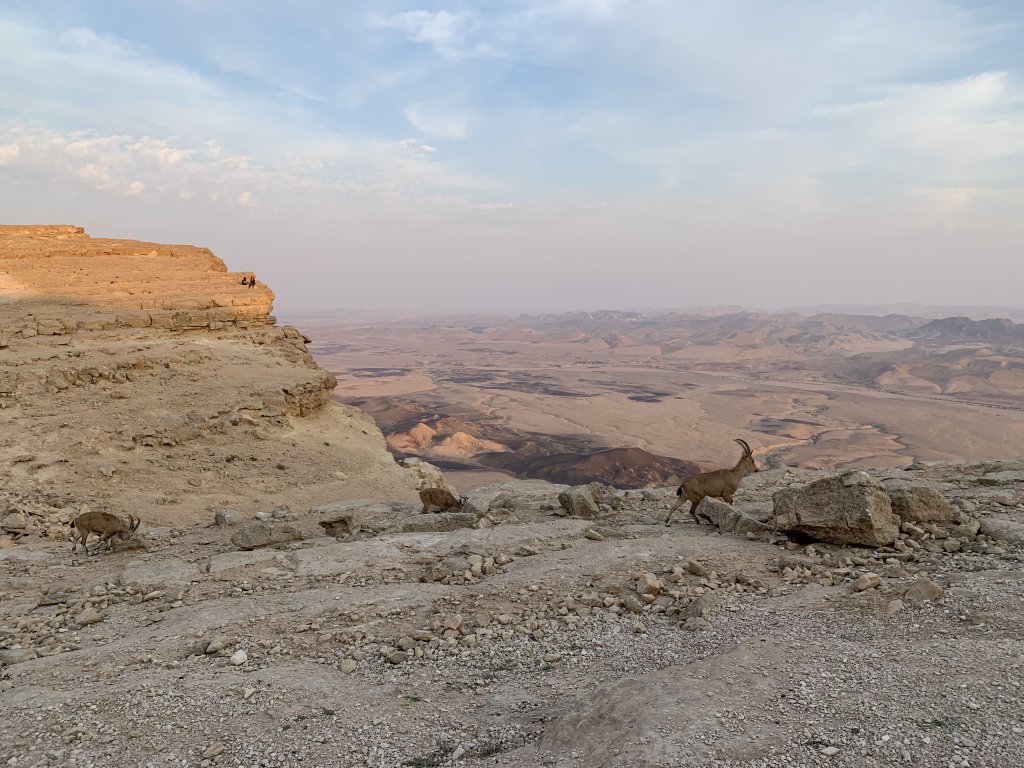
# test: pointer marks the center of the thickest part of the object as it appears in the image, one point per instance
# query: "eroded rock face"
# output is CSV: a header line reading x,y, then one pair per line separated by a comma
x,y
852,508
138,284
161,360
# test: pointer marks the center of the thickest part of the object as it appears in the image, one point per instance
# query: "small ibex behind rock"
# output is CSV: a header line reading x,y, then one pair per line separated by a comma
x,y
106,525
719,484
440,497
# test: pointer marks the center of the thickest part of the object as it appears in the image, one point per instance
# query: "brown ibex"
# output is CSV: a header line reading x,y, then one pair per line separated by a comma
x,y
720,484
105,525
440,497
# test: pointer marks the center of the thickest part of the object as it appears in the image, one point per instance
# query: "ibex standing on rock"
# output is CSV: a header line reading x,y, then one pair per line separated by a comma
x,y
105,525
440,497
720,484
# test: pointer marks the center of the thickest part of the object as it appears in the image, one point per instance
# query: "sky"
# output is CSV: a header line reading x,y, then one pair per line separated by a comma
x,y
534,156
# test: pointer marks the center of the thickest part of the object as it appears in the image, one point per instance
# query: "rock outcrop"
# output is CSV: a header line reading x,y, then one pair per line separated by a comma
x,y
852,508
148,379
62,281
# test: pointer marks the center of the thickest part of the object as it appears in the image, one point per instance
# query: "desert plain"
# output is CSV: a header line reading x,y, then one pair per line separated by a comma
x,y
485,393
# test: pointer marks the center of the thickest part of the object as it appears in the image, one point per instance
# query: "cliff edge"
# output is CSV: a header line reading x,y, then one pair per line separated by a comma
x,y
146,378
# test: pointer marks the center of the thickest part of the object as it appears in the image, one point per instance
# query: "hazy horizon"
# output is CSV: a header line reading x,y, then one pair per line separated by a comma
x,y
925,311
535,156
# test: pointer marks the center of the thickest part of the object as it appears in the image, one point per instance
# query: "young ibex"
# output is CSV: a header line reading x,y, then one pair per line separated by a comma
x,y
720,484
440,497
105,525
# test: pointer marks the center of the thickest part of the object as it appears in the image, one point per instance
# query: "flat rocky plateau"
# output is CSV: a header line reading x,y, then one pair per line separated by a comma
x,y
530,638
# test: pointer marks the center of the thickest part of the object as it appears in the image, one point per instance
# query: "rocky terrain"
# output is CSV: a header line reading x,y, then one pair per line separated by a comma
x,y
539,625
287,603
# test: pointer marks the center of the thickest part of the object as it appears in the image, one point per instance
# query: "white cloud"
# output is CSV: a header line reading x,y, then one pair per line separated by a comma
x,y
157,169
447,33
968,120
108,113
9,153
119,164
573,10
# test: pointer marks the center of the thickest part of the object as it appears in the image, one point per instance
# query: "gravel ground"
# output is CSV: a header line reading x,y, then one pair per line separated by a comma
x,y
533,642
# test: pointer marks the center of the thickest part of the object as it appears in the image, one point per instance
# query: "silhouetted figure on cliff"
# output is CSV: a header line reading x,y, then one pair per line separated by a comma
x,y
252,281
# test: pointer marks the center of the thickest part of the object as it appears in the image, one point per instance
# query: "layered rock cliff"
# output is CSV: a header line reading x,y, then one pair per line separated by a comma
x,y
148,378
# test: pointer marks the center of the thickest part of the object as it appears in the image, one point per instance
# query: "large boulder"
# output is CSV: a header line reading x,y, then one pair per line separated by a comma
x,y
426,475
852,508
727,519
579,502
606,496
258,535
915,504
1004,530
226,516
343,519
14,521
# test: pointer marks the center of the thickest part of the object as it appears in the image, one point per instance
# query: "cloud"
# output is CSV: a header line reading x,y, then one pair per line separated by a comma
x,y
9,153
967,120
107,114
446,33
159,169
121,164
438,121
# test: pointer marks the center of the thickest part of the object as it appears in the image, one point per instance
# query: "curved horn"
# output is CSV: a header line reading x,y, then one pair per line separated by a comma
x,y
746,448
136,522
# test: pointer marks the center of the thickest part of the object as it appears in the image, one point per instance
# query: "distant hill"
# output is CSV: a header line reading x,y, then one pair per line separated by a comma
x,y
926,311
994,331
618,467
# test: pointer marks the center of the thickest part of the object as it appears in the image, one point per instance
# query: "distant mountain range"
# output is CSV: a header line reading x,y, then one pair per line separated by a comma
x,y
418,318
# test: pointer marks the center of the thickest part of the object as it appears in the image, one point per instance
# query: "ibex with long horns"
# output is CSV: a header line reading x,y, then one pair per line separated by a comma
x,y
720,484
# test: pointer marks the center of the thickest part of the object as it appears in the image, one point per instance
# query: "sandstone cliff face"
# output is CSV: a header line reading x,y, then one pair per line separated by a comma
x,y
62,280
143,375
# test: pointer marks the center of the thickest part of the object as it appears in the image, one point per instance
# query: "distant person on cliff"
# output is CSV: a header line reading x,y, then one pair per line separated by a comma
x,y
245,279
252,281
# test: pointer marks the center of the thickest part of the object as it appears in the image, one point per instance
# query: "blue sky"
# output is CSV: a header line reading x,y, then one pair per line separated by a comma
x,y
535,155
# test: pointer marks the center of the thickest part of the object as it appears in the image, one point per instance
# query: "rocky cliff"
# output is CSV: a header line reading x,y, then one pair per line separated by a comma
x,y
147,378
